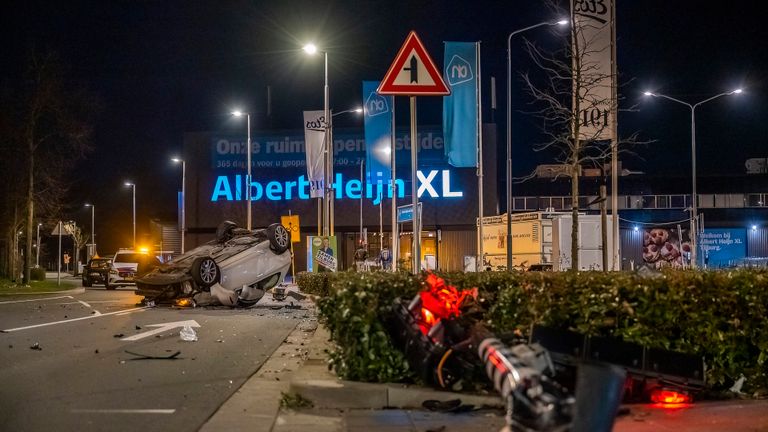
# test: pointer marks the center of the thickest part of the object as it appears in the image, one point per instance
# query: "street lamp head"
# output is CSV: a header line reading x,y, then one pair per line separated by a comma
x,y
238,113
737,91
310,49
128,184
358,110
177,159
562,22
648,93
88,205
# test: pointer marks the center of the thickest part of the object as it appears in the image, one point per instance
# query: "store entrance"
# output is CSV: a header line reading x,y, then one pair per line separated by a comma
x,y
429,257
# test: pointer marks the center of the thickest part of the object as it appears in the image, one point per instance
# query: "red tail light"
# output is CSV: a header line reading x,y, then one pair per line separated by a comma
x,y
668,397
440,301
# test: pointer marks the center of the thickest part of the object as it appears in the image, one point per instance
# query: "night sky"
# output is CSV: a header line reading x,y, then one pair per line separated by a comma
x,y
162,68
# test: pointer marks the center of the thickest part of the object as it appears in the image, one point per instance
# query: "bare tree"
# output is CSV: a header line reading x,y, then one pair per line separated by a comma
x,y
79,238
575,99
54,131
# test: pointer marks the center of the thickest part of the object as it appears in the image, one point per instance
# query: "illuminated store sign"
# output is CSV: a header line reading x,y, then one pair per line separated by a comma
x,y
432,184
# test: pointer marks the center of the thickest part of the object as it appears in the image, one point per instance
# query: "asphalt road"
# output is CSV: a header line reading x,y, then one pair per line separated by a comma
x,y
82,379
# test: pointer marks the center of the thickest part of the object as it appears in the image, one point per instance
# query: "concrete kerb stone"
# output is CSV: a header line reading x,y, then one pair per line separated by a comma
x,y
79,290
315,382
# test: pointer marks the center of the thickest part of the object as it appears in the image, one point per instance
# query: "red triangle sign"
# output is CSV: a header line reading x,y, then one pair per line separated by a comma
x,y
413,73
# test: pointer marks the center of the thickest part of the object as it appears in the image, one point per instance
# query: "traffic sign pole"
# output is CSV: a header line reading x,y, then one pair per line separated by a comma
x,y
412,73
416,256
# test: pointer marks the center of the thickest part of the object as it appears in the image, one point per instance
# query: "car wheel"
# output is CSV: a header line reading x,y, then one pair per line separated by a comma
x,y
205,272
87,283
279,238
107,285
224,231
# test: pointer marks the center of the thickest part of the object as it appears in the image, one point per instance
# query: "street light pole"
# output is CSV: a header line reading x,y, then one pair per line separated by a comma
x,y
133,189
37,252
694,196
93,229
327,216
248,170
184,199
509,131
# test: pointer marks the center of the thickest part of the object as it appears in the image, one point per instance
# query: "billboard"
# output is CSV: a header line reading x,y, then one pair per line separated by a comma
x,y
321,254
666,247
722,247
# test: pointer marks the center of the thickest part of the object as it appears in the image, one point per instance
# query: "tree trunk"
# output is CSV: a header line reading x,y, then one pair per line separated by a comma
x,y
30,213
575,211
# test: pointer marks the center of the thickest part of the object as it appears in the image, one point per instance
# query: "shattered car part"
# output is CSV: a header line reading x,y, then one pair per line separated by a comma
x,y
236,268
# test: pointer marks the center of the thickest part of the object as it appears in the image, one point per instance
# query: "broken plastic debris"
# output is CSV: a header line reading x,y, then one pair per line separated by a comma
x,y
188,334
150,303
736,388
36,347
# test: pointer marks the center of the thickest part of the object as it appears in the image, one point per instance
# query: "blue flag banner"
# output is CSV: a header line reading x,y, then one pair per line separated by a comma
x,y
378,133
460,109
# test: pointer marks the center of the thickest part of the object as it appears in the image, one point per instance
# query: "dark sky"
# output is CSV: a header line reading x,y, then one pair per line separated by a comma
x,y
164,67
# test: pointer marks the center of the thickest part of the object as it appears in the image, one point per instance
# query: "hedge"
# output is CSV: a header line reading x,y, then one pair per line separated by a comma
x,y
719,315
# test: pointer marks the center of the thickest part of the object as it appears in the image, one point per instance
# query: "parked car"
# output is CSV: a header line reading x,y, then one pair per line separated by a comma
x,y
97,272
127,265
236,268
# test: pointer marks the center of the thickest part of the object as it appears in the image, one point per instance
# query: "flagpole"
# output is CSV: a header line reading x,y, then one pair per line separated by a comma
x,y
478,98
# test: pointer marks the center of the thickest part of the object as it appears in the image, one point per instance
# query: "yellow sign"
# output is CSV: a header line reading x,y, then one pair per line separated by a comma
x,y
291,223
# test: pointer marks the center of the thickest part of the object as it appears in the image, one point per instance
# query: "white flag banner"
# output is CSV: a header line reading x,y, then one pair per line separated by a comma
x,y
592,71
314,140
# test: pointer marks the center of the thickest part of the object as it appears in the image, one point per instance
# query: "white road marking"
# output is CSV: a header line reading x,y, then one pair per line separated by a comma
x,y
72,320
161,328
123,411
84,303
130,311
31,300
91,302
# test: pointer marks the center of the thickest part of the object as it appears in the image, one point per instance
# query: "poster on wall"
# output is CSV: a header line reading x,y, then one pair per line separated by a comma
x,y
321,255
722,247
666,247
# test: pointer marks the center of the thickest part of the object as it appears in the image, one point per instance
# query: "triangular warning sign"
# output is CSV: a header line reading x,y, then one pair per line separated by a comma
x,y
413,72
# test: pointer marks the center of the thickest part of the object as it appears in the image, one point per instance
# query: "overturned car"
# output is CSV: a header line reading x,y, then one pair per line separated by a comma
x,y
236,268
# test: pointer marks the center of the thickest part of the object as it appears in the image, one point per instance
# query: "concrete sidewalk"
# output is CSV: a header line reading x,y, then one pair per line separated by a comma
x,y
299,367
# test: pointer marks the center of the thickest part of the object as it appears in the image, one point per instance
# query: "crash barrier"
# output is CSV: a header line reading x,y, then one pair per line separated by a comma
x,y
717,316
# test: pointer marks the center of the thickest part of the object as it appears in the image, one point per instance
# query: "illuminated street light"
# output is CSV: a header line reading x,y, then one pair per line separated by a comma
x,y
238,113
183,198
93,229
694,197
327,224
509,129
133,187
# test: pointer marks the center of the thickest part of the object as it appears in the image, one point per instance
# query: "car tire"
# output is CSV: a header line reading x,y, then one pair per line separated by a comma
x,y
279,238
87,283
224,231
205,272
107,285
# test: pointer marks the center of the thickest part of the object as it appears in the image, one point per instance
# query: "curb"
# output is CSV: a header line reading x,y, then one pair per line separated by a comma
x,y
315,382
80,290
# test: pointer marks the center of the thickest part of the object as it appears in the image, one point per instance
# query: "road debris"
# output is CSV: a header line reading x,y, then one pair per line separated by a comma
x,y
188,334
153,357
36,347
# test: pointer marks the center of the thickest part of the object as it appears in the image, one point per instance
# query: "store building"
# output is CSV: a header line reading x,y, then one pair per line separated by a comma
x,y
216,182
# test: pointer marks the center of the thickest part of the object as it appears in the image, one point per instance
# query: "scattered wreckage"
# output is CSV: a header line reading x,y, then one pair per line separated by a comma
x,y
236,268
577,388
